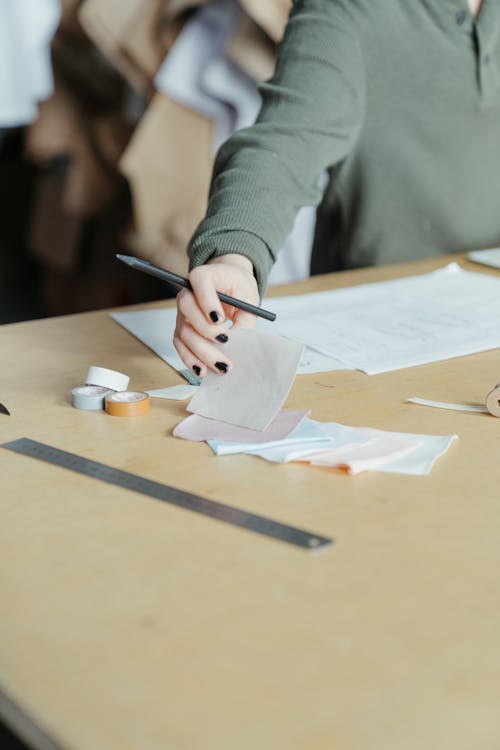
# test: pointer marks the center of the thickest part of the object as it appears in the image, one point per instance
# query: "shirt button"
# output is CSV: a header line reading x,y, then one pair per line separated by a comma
x,y
460,17
486,60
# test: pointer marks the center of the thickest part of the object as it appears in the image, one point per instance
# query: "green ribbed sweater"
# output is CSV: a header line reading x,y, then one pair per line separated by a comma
x,y
400,101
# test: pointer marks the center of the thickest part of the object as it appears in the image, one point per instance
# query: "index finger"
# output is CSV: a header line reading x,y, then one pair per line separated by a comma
x,y
202,282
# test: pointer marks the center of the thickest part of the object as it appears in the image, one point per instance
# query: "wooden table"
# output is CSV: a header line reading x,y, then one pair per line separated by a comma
x,y
129,624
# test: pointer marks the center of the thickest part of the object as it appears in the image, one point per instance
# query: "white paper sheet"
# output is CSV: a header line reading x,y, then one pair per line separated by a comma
x,y
252,392
490,257
155,328
372,327
395,324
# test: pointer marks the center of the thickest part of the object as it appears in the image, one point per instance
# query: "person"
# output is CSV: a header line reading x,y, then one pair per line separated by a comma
x,y
399,100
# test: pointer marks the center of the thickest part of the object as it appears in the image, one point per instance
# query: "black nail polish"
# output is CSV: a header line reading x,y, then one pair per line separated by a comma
x,y
221,366
196,370
214,316
222,338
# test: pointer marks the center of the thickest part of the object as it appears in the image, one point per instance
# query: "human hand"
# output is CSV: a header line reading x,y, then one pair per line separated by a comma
x,y
201,314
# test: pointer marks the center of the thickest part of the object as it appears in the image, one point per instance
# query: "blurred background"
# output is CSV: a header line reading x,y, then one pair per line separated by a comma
x,y
111,112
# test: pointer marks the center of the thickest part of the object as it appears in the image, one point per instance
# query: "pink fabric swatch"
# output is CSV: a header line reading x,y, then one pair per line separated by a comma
x,y
196,427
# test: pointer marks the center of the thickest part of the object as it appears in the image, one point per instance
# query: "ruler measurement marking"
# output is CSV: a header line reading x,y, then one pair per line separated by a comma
x,y
172,495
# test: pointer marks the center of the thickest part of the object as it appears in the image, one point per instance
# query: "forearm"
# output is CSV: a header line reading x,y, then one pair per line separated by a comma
x,y
311,114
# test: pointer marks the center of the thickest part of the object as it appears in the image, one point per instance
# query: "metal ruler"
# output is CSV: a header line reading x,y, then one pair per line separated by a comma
x,y
172,495
24,726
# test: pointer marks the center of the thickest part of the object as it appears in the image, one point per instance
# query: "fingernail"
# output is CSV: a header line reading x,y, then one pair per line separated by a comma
x,y
222,338
214,316
221,366
196,370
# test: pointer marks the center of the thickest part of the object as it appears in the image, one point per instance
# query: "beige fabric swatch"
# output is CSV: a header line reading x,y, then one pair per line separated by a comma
x,y
252,392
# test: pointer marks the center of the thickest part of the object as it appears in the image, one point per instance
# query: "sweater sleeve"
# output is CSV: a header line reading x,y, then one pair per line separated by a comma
x,y
311,114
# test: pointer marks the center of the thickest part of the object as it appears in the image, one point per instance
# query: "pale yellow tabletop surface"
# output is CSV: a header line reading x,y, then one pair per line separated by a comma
x,y
130,624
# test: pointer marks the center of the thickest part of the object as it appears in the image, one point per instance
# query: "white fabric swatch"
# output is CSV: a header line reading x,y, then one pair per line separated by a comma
x,y
374,454
308,436
175,392
355,449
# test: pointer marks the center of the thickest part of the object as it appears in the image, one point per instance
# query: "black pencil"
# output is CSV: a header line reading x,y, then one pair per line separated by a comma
x,y
174,278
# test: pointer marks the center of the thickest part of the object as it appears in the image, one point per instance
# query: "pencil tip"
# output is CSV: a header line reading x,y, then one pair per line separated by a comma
x,y
124,258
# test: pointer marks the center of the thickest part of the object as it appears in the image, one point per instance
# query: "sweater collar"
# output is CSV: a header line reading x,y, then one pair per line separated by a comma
x,y
455,15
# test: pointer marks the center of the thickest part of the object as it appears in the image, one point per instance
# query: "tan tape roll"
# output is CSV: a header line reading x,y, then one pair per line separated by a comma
x,y
127,404
493,401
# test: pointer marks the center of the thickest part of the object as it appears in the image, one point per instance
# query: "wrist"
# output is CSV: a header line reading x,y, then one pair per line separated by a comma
x,y
234,259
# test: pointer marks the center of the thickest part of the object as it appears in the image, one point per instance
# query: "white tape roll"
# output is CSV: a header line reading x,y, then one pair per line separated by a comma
x,y
89,397
114,381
